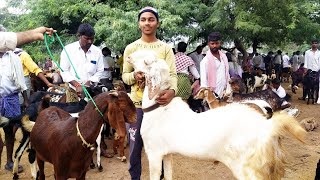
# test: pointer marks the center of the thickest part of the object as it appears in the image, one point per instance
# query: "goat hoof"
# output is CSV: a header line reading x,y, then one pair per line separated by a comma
x,y
100,168
92,166
15,176
122,159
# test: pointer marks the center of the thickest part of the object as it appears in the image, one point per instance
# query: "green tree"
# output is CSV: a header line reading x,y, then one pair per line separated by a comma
x,y
257,23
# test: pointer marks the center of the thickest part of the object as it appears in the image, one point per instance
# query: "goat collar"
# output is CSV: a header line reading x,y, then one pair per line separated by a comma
x,y
84,142
151,108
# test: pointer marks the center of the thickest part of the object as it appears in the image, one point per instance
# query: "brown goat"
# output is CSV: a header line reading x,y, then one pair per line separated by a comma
x,y
213,102
68,142
209,97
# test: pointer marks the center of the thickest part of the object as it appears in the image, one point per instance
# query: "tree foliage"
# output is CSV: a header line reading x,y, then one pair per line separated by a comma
x,y
255,23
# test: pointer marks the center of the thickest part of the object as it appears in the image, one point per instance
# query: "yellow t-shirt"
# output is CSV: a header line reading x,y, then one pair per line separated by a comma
x,y
28,65
120,63
163,51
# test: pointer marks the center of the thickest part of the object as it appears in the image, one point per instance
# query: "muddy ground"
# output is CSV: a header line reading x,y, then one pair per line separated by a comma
x,y
301,158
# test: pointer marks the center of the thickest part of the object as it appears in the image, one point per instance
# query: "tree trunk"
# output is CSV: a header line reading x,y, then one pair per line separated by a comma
x,y
242,49
255,44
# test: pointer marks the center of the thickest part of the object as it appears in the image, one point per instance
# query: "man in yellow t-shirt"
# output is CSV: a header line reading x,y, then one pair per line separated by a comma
x,y
148,23
29,66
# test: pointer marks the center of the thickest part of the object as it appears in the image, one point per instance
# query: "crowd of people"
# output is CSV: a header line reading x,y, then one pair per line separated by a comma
x,y
86,64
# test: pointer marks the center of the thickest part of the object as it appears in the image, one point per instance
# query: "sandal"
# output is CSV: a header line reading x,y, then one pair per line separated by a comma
x,y
9,167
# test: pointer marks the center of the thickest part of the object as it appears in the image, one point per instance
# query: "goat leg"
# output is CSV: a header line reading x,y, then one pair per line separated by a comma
x,y
121,149
41,169
92,165
115,146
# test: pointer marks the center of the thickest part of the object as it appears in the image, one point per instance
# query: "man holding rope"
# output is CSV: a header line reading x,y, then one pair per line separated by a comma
x,y
9,40
85,65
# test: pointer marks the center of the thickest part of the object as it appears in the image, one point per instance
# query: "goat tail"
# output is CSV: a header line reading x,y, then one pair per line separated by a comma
x,y
27,124
284,124
268,161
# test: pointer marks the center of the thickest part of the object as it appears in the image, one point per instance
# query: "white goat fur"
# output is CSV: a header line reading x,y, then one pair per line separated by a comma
x,y
236,135
259,83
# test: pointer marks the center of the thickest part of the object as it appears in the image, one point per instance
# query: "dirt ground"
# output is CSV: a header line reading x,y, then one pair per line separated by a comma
x,y
301,158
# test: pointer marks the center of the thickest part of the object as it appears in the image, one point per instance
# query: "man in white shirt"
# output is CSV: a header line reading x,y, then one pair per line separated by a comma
x,y
214,68
295,61
197,57
11,84
286,59
108,62
277,61
86,59
257,60
312,61
312,57
281,92
9,40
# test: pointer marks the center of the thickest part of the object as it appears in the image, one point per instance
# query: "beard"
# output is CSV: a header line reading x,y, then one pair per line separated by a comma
x,y
214,50
87,46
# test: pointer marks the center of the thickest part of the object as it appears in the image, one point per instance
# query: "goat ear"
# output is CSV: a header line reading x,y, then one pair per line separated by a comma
x,y
114,93
206,91
116,119
151,91
104,89
199,93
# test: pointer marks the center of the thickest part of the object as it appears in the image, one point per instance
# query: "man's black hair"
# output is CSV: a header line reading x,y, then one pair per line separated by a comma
x,y
276,81
86,30
214,36
182,47
107,50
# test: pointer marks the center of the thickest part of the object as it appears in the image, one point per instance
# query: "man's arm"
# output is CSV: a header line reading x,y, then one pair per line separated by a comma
x,y
65,66
33,35
127,74
32,67
203,73
9,40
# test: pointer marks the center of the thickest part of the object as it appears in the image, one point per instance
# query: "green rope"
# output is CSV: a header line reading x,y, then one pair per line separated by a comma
x,y
90,98
49,40
74,69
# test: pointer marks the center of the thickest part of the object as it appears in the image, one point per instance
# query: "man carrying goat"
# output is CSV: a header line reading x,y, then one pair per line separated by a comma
x,y
148,20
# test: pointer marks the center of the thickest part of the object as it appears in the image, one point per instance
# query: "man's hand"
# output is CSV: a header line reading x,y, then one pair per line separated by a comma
x,y
87,84
79,91
38,32
50,85
25,104
165,97
33,35
138,76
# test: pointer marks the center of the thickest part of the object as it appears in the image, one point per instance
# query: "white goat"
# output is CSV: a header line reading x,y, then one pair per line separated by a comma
x,y
236,135
259,82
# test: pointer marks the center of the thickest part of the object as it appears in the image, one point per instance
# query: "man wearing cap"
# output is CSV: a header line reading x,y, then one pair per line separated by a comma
x,y
86,58
214,68
148,20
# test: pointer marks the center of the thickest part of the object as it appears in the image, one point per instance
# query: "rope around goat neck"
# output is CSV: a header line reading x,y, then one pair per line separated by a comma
x,y
84,142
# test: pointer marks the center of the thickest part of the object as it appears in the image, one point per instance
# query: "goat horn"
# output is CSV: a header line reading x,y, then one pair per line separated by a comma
x,y
114,93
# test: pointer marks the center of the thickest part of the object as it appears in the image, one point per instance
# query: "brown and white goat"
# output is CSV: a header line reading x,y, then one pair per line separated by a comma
x,y
259,105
